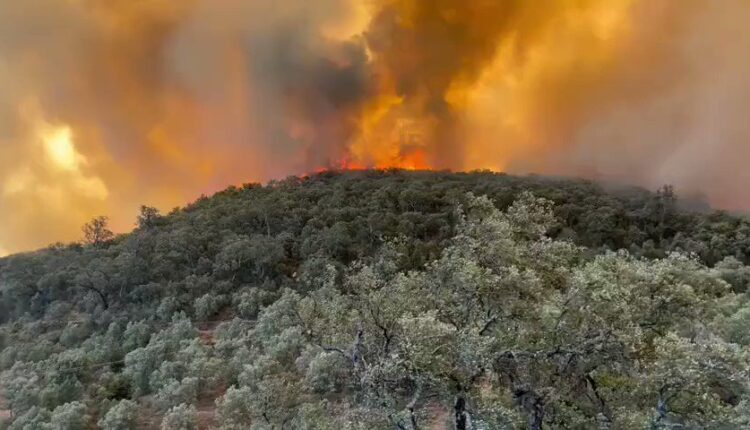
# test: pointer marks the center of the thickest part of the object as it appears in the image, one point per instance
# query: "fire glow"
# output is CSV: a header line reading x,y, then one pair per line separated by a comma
x,y
157,102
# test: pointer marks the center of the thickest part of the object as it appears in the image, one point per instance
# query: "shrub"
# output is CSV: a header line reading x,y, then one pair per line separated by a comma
x,y
208,305
182,417
35,418
69,416
235,408
122,416
177,392
250,301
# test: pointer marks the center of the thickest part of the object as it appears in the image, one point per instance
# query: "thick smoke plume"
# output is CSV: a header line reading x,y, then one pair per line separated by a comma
x,y
109,104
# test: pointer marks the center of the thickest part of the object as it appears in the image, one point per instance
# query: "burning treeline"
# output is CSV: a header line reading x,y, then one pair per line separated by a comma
x,y
111,103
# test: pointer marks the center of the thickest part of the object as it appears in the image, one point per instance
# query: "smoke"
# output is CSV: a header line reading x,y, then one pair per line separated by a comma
x,y
164,101
665,105
109,104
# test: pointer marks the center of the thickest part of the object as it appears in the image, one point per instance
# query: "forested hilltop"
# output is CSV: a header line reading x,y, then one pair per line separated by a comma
x,y
387,300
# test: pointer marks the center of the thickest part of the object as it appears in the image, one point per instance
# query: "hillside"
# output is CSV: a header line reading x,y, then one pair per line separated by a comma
x,y
388,299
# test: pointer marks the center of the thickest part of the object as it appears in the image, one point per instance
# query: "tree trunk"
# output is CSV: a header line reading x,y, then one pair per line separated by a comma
x,y
533,405
461,419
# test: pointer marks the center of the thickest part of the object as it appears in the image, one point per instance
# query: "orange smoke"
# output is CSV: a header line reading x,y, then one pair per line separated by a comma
x,y
110,104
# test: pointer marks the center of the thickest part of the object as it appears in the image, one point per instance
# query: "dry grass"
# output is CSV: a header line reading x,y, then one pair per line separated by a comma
x,y
438,417
4,412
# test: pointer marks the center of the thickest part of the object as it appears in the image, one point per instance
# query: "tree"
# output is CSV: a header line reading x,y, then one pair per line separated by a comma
x,y
182,417
391,300
122,416
69,416
96,232
34,418
148,217
562,340
208,305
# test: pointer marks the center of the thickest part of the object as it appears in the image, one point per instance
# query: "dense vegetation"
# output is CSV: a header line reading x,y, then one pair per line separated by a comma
x,y
387,300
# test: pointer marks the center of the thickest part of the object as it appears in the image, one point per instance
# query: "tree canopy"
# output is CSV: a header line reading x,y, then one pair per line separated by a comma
x,y
388,299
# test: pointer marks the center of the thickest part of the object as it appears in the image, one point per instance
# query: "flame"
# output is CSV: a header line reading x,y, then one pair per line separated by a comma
x,y
479,110
414,160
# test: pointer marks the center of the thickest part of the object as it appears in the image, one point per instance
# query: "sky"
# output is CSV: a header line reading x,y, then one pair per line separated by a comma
x,y
106,105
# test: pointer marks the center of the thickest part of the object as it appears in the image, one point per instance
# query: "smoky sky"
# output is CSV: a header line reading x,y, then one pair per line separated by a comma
x,y
166,100
109,104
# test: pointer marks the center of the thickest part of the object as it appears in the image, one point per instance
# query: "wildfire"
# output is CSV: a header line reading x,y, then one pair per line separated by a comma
x,y
472,102
163,102
416,160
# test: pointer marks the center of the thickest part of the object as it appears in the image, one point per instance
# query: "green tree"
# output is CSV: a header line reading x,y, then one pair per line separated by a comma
x,y
181,417
96,232
69,416
148,217
122,416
